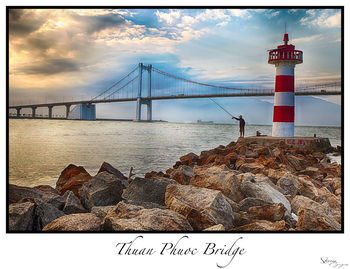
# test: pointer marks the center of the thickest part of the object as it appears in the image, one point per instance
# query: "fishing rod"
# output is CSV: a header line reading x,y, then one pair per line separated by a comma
x,y
222,108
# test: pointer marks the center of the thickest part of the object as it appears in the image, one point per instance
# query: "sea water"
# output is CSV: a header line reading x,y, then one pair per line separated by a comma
x,y
40,149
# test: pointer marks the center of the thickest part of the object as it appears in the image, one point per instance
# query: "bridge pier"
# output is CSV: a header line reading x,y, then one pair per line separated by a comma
x,y
18,111
67,110
50,111
141,101
33,111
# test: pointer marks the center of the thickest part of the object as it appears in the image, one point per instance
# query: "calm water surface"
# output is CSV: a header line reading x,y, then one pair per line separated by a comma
x,y
40,149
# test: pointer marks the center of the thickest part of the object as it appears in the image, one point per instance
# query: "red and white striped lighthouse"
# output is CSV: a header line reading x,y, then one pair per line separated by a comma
x,y
285,57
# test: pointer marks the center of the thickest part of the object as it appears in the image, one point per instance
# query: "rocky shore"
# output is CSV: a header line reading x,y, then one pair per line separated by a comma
x,y
243,186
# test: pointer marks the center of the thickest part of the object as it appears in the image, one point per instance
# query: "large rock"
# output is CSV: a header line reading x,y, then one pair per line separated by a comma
x,y
72,204
47,188
101,211
44,214
146,190
302,201
189,159
248,202
311,220
264,190
106,167
72,178
263,225
273,212
17,193
102,189
21,216
307,188
182,174
218,178
202,207
128,217
218,227
289,183
75,222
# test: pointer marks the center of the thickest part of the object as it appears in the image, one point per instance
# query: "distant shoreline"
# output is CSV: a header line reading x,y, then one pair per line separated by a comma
x,y
131,120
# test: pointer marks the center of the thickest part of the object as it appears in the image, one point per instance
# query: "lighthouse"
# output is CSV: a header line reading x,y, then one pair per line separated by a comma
x,y
285,57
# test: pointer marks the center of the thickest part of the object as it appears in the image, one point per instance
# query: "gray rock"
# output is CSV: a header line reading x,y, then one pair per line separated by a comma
x,y
264,191
106,167
182,174
101,211
21,216
146,190
17,193
218,178
75,222
302,201
246,203
289,183
44,214
127,217
218,227
202,207
72,204
103,189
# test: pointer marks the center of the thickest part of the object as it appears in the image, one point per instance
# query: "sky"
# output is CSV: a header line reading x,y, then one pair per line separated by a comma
x,y
65,54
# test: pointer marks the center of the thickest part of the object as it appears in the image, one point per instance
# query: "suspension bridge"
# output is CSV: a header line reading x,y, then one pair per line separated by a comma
x,y
145,83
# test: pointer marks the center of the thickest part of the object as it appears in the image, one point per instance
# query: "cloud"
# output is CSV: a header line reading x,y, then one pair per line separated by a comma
x,y
170,17
49,67
307,39
238,12
292,11
321,18
270,14
23,22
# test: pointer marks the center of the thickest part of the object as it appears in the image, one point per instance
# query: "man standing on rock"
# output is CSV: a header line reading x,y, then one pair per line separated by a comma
x,y
241,125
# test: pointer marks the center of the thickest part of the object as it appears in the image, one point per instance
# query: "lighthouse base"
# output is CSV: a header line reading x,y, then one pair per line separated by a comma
x,y
311,143
283,129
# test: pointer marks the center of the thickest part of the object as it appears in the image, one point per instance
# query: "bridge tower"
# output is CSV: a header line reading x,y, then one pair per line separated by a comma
x,y
141,100
285,57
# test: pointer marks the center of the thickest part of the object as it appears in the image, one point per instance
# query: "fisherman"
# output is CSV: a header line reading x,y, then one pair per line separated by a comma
x,y
241,125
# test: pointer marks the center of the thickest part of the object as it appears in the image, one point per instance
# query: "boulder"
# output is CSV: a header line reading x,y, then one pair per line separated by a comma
x,y
72,204
182,174
328,199
19,193
202,207
101,211
102,189
312,172
47,188
146,190
263,190
248,202
263,225
21,216
209,160
106,167
289,183
311,220
127,217
275,174
75,222
272,212
306,188
44,214
302,201
294,162
189,159
254,168
218,227
72,178
218,178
